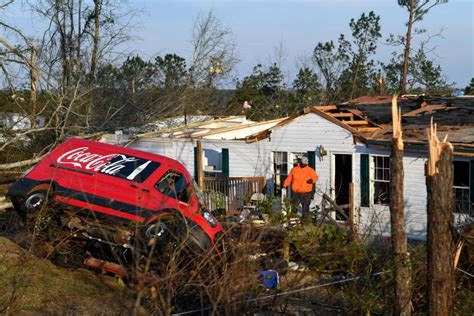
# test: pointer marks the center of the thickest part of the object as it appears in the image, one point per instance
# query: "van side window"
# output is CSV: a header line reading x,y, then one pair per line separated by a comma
x,y
174,184
130,168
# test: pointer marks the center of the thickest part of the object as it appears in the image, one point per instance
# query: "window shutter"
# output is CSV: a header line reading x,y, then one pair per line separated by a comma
x,y
312,159
471,182
364,181
196,165
225,162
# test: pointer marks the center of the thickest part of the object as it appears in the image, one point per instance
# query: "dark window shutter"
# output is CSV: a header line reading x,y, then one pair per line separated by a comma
x,y
471,181
364,181
225,162
196,165
312,159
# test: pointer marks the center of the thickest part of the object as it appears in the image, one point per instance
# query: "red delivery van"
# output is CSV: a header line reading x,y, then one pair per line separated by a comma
x,y
104,189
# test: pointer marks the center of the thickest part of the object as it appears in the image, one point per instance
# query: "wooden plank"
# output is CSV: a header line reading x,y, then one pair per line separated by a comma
x,y
367,129
458,253
351,211
352,123
325,108
341,114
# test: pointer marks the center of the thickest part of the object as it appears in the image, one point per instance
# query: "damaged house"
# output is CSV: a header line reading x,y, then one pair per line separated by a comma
x,y
348,145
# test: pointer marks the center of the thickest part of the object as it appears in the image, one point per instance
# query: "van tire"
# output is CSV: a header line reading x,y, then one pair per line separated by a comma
x,y
40,221
166,229
34,201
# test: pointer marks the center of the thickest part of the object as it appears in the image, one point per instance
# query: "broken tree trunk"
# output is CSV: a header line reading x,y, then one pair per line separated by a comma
x,y
439,182
402,265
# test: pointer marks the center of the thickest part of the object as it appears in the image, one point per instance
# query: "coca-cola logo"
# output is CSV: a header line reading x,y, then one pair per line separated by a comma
x,y
81,158
111,164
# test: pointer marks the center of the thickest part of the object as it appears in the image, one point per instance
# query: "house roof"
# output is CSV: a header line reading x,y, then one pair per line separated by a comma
x,y
367,118
350,120
227,128
453,116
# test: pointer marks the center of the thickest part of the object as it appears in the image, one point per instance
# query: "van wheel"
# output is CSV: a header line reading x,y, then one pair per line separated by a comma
x,y
162,231
34,201
159,241
40,221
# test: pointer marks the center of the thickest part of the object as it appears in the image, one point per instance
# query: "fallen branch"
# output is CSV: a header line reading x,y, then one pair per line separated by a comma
x,y
20,164
4,206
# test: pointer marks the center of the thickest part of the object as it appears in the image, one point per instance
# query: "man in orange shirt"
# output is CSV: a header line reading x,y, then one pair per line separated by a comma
x,y
302,178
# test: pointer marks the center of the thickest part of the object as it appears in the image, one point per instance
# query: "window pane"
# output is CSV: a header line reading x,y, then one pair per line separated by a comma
x,y
379,174
381,193
462,201
174,185
181,188
461,173
166,186
280,162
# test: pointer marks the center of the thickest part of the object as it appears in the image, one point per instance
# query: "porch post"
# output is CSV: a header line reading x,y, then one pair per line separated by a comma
x,y
198,167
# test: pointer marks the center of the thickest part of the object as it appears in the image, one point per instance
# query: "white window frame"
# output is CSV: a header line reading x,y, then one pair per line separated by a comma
x,y
373,180
292,156
274,172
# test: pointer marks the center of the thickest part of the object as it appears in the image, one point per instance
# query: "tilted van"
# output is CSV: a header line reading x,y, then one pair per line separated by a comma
x,y
116,194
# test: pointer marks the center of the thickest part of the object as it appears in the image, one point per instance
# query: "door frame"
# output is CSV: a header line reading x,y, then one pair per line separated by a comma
x,y
333,171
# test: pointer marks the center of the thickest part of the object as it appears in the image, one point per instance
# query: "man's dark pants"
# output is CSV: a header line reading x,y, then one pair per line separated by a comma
x,y
303,198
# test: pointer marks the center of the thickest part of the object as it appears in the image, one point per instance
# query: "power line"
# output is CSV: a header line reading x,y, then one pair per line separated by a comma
x,y
273,296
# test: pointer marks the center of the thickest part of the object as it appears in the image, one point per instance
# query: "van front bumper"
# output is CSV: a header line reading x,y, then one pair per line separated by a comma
x,y
21,187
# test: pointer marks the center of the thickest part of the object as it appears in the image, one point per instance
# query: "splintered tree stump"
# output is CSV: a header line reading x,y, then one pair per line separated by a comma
x,y
402,265
439,182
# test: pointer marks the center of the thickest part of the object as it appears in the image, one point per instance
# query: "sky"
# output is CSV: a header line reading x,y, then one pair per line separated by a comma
x,y
260,26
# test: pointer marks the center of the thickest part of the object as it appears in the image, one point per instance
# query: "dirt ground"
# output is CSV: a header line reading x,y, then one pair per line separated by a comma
x,y
31,284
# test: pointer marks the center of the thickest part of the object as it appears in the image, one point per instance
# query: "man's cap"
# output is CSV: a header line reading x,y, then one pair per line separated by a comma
x,y
304,160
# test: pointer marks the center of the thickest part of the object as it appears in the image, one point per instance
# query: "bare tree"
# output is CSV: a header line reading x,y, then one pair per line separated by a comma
x,y
214,53
416,11
213,59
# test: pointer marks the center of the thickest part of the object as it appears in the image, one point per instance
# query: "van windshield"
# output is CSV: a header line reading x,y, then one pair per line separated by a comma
x,y
198,192
130,168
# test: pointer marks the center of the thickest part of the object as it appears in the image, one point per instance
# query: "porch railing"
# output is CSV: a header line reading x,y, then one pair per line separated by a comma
x,y
231,193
